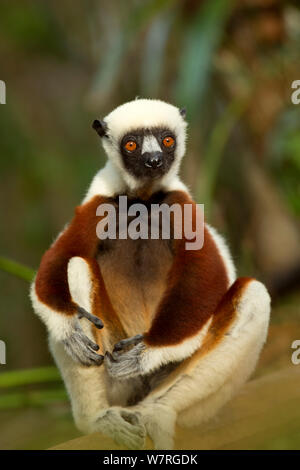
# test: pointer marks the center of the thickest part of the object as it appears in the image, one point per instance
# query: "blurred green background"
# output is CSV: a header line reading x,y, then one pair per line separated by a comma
x,y
66,63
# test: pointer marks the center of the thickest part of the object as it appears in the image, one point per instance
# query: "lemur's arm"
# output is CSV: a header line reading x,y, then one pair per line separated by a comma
x,y
50,291
197,281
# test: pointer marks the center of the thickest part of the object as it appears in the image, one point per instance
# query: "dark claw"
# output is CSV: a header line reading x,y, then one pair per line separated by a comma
x,y
100,360
92,345
92,318
95,359
124,343
110,357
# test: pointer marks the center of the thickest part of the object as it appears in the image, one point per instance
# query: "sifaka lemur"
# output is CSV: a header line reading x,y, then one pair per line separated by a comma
x,y
145,332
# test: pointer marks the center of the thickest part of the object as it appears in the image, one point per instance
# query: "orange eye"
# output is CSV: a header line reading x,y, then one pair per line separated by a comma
x,y
130,146
168,141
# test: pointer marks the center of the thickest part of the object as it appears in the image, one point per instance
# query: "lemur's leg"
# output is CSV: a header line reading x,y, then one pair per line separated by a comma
x,y
87,385
215,372
50,293
206,408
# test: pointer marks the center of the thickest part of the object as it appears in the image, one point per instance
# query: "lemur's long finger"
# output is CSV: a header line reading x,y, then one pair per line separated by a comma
x,y
88,348
88,360
90,343
78,346
89,316
124,343
95,359
89,357
81,336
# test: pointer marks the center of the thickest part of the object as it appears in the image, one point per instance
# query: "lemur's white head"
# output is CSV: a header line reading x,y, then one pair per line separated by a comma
x,y
145,139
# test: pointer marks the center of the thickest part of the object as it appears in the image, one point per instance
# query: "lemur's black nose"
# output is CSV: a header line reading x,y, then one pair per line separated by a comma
x,y
154,160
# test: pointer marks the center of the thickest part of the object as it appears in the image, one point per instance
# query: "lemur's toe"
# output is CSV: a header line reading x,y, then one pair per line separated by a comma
x,y
89,316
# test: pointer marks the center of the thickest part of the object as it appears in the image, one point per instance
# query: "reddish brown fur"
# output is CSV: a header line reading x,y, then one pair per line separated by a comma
x,y
197,279
224,316
228,306
79,239
197,282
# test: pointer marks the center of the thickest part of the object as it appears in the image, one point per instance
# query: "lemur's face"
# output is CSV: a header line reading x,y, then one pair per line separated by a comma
x,y
148,153
145,139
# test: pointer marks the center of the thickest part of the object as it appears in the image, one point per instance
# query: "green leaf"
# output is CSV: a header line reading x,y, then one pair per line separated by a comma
x,y
202,40
215,150
111,64
32,398
21,377
16,269
154,54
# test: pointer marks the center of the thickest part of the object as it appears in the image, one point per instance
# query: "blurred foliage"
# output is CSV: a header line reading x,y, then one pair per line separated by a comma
x,y
65,63
16,269
285,158
32,27
28,376
23,398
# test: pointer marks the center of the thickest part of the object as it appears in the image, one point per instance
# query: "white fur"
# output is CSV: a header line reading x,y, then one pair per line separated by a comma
x,y
150,144
224,253
113,179
218,375
251,323
107,183
58,324
86,386
145,114
169,183
122,425
195,396
80,282
153,357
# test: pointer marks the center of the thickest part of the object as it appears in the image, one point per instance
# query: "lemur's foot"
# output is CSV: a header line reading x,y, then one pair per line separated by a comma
x,y
127,343
159,421
123,426
79,346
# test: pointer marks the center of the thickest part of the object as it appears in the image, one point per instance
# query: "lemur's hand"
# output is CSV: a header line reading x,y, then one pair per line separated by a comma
x,y
78,345
125,360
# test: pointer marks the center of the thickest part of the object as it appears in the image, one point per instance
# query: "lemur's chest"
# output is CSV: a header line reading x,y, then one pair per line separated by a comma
x,y
135,275
135,270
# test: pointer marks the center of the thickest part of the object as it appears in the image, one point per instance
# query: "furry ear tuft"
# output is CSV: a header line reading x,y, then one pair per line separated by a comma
x,y
100,127
182,112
